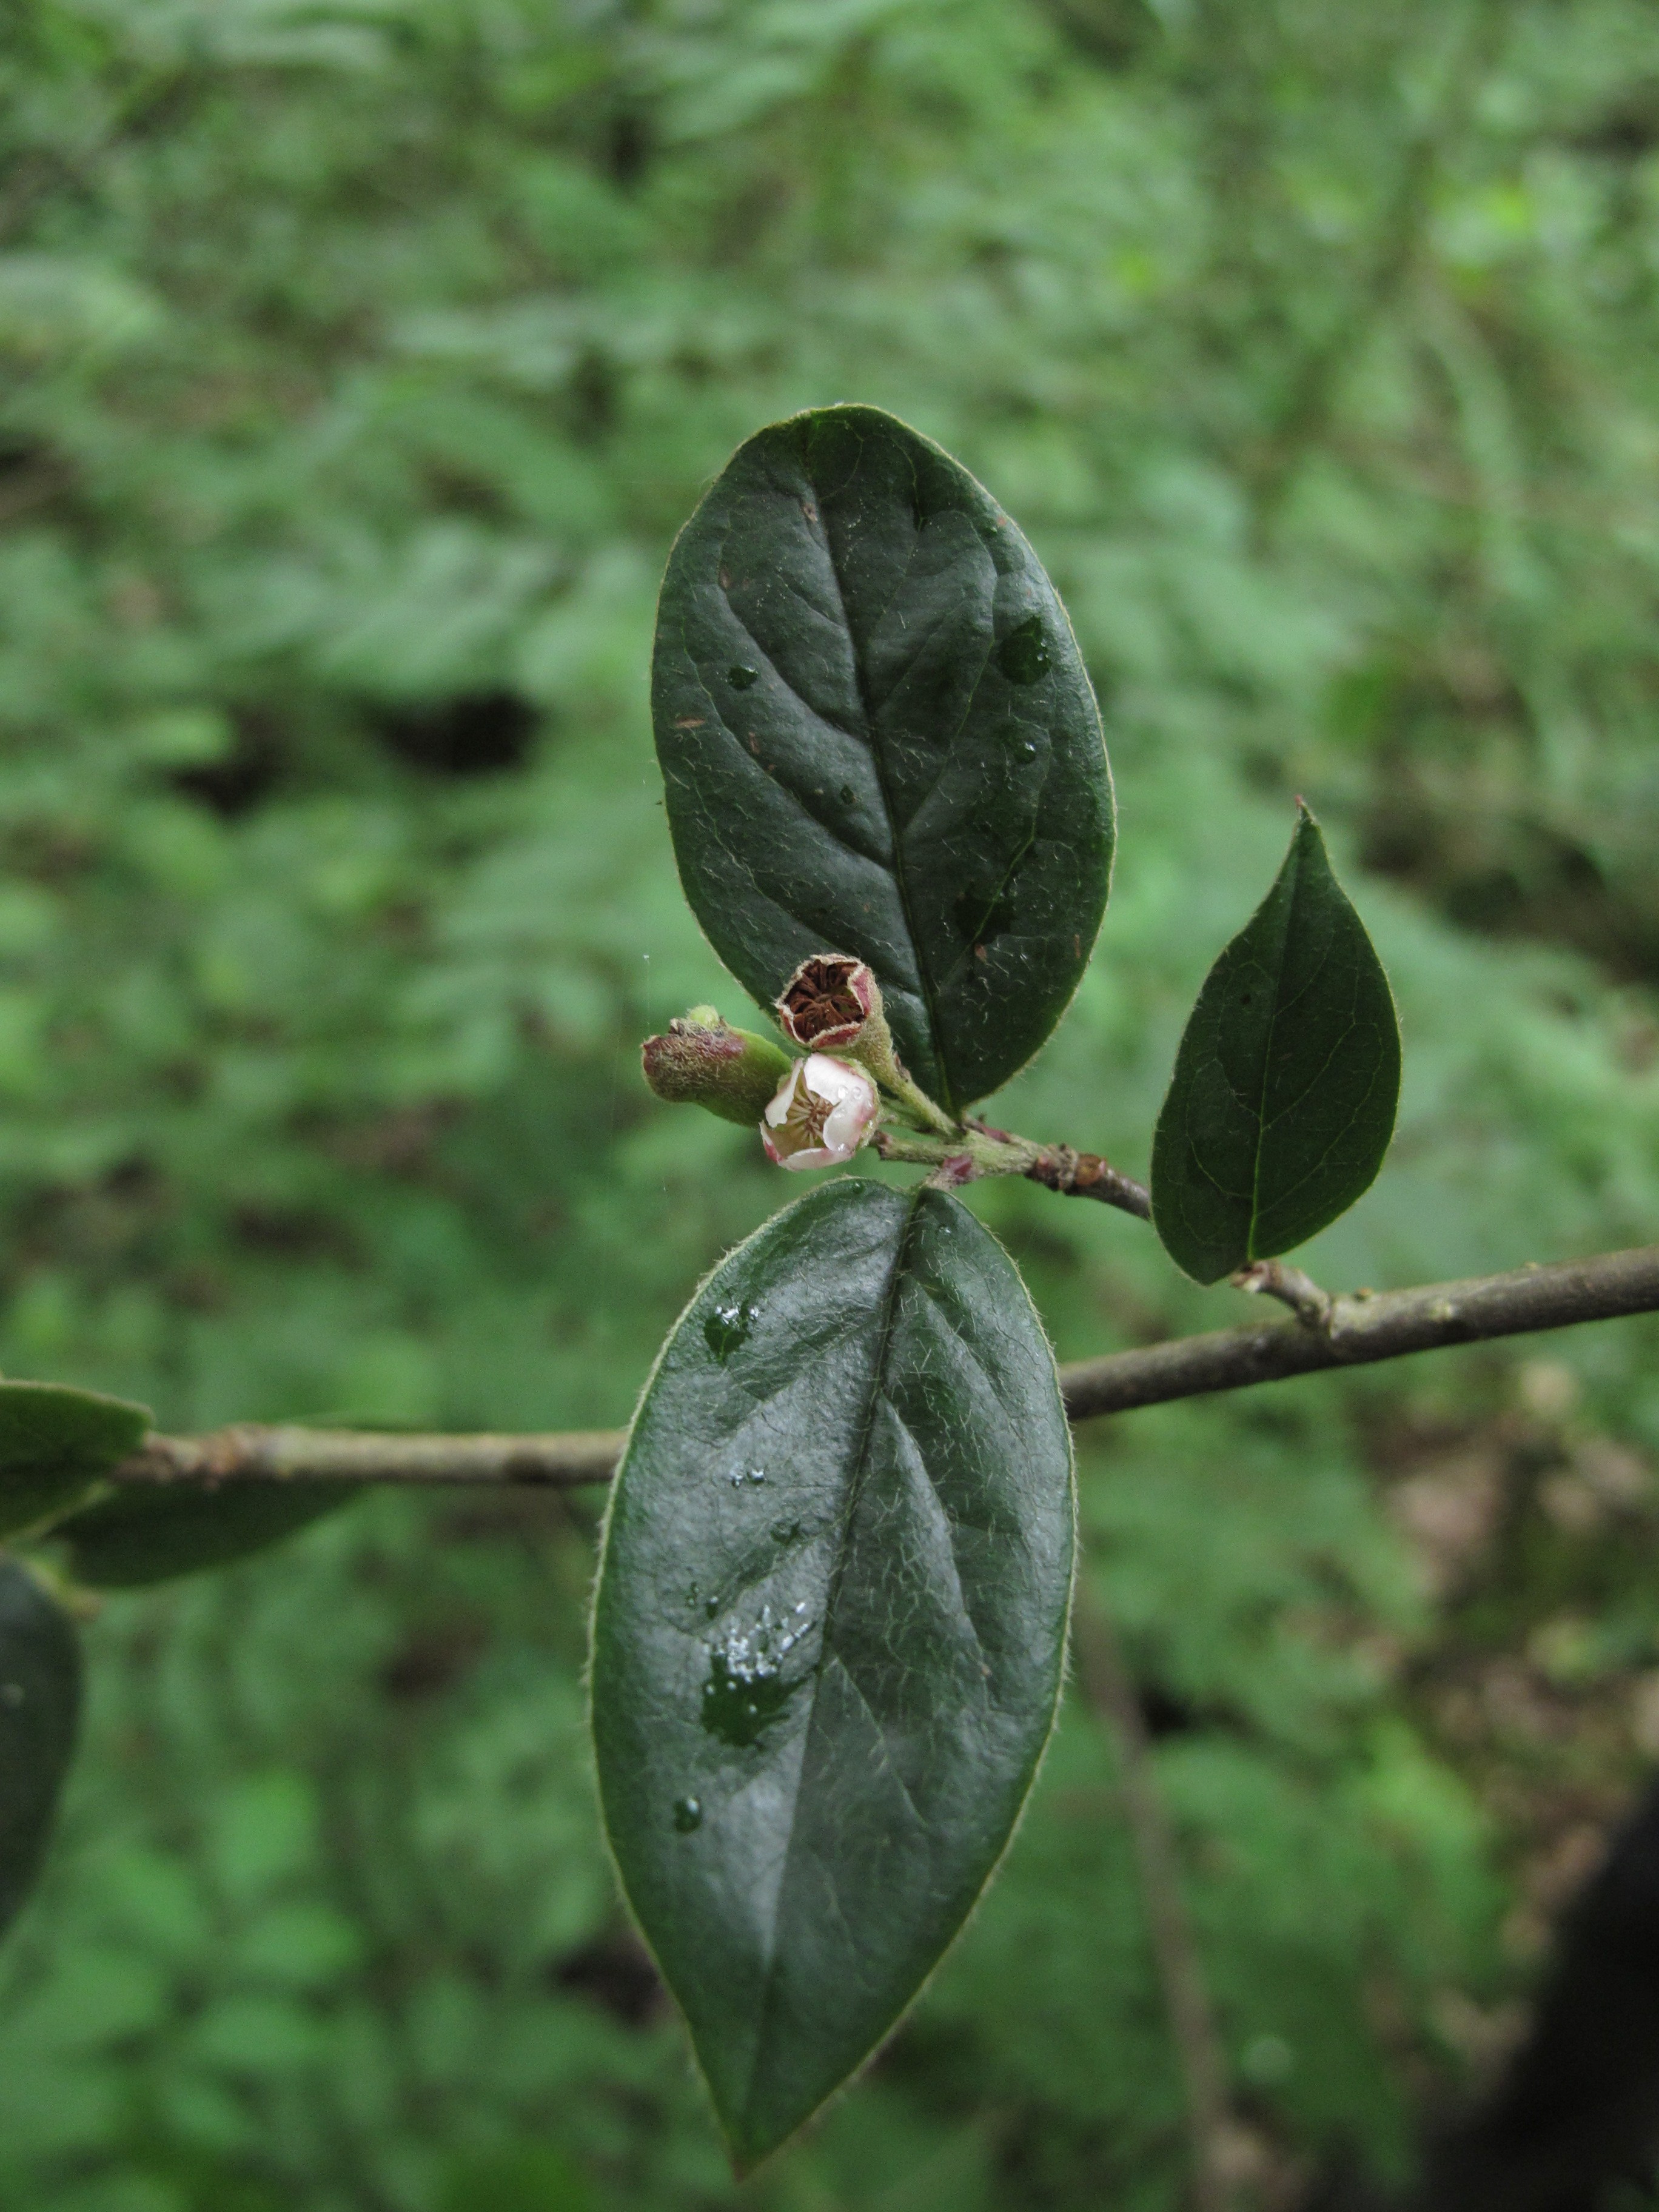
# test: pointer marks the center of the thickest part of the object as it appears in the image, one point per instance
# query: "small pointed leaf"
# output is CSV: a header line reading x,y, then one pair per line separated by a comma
x,y
39,1710
148,1533
829,1633
54,1443
1283,1099
878,737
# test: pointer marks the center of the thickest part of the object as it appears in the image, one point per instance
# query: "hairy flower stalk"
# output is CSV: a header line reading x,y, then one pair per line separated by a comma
x,y
832,1003
702,1061
824,1110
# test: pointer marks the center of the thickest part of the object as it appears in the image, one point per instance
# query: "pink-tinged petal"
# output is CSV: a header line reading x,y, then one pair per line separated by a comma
x,y
823,1111
816,1156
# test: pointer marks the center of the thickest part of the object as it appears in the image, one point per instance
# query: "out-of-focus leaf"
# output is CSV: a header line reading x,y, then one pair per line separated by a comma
x,y
39,1711
878,737
54,1443
828,1634
1285,1089
148,1534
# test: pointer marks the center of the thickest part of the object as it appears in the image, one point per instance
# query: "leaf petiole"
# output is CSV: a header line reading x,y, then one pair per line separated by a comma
x,y
1313,1306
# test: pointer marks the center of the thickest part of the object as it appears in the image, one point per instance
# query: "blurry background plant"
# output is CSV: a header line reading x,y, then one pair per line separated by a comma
x,y
358,358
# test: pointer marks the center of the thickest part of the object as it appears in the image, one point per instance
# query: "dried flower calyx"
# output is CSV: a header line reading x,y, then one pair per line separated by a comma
x,y
702,1061
824,1109
827,1001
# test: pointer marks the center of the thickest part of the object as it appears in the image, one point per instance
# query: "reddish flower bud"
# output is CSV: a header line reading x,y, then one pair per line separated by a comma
x,y
703,1062
824,1110
826,1003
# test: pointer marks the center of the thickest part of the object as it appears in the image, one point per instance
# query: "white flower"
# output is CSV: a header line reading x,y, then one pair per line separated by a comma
x,y
824,1110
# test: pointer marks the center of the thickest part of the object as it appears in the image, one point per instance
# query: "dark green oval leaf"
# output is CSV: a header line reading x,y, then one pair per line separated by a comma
x,y
829,1632
878,737
148,1532
54,1443
39,1710
1285,1089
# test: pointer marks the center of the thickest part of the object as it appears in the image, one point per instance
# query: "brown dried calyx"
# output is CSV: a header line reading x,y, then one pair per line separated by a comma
x,y
828,1002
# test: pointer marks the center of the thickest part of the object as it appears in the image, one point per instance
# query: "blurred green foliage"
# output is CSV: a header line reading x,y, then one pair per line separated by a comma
x,y
358,359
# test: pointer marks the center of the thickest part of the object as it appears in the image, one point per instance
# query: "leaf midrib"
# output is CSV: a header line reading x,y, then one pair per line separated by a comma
x,y
1294,863
924,973
860,1462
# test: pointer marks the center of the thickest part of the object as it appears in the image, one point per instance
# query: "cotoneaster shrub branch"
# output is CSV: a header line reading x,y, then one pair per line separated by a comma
x,y
1362,1328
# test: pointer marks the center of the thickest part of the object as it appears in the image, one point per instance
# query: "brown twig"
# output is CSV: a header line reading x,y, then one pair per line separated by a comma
x,y
1105,1683
977,1149
249,1452
1086,1175
1361,1330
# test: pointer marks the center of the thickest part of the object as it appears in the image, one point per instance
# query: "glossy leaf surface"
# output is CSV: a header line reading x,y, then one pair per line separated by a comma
x,y
54,1443
878,737
1283,1099
39,1710
830,1630
150,1533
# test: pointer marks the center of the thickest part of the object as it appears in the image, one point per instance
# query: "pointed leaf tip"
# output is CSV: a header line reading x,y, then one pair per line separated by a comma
x,y
1287,1084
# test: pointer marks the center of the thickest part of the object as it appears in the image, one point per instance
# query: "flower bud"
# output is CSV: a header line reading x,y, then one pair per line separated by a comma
x,y
703,1062
824,1110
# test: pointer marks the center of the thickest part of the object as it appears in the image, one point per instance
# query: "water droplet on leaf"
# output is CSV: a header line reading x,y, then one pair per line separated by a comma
x,y
1022,655
737,1707
741,677
785,1532
746,1690
688,1814
727,1328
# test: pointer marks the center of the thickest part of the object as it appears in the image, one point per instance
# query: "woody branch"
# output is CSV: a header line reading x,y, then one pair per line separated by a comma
x,y
1356,1331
